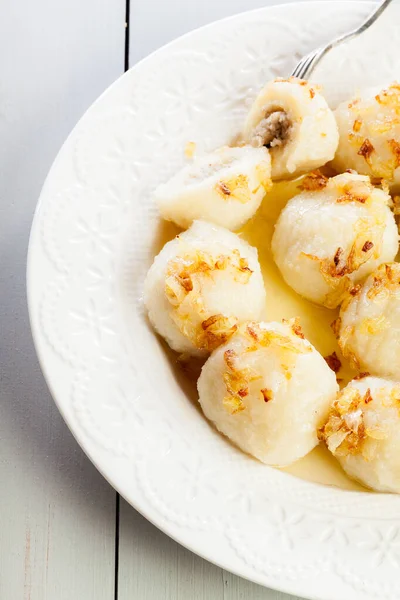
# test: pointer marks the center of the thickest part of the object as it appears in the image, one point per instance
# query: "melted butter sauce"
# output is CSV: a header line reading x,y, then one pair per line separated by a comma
x,y
282,302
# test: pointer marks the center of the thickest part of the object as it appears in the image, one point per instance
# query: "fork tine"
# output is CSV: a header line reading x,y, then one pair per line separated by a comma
x,y
308,62
306,65
298,70
303,66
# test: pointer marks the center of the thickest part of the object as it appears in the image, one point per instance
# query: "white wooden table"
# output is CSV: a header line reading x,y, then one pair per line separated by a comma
x,y
64,533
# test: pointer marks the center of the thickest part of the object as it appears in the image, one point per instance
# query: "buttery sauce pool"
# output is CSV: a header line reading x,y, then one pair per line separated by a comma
x,y
282,302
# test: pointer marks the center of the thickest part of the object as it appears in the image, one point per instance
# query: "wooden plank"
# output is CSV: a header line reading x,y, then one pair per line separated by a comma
x,y
154,567
237,588
153,23
57,514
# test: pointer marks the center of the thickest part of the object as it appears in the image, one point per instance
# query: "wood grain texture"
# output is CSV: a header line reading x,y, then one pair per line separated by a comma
x,y
154,567
57,514
153,23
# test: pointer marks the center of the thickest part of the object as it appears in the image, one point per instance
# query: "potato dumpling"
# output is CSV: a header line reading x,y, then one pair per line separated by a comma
x,y
369,130
331,235
363,432
225,187
268,390
293,120
201,286
368,328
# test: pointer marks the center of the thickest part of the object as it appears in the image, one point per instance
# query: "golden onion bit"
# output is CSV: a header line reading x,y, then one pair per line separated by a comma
x,y
183,289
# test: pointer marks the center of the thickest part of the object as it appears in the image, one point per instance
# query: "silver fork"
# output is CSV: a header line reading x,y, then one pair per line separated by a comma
x,y
308,63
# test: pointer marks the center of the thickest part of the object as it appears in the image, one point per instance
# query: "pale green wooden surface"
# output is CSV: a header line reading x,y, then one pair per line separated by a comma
x,y
57,514
154,567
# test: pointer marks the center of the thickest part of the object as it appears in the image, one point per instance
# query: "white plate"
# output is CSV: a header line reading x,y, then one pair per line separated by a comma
x,y
92,240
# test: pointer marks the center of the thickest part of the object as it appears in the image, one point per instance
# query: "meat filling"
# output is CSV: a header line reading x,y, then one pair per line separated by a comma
x,y
273,130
